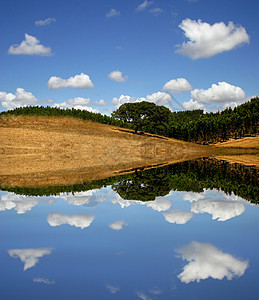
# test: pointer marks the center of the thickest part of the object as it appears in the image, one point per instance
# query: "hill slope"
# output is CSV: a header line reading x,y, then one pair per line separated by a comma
x,y
58,150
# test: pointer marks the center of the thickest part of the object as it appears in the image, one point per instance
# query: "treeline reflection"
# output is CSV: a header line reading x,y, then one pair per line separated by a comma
x,y
189,176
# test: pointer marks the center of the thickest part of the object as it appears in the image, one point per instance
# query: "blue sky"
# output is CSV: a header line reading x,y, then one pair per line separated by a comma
x,y
76,53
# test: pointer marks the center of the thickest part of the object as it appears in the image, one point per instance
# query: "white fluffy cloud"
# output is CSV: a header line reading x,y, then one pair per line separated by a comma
x,y
45,22
207,40
192,105
159,98
101,102
118,225
112,13
30,46
82,221
77,103
178,85
205,261
117,76
144,5
219,209
81,81
29,256
223,92
21,98
20,203
177,216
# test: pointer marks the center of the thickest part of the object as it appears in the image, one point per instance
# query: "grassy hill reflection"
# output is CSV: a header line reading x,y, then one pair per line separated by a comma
x,y
194,175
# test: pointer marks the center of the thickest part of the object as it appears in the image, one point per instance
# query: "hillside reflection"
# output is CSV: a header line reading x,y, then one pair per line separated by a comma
x,y
189,176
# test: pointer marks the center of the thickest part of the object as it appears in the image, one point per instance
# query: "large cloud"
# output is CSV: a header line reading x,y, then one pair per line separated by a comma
x,y
178,85
30,46
82,221
29,256
20,203
221,93
205,261
77,103
117,76
118,225
177,216
81,81
207,40
159,98
21,98
219,209
45,22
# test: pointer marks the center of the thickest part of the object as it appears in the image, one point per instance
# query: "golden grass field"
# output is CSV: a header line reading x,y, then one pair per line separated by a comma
x,y
250,145
38,151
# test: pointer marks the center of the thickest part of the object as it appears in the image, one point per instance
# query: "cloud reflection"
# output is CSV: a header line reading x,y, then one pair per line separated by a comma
x,y
205,261
221,210
20,203
177,216
118,225
29,256
82,221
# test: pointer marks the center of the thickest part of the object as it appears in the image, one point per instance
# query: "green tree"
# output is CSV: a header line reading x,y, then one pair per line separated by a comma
x,y
145,116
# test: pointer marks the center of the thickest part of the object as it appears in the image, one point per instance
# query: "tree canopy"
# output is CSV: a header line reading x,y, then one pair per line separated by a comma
x,y
145,116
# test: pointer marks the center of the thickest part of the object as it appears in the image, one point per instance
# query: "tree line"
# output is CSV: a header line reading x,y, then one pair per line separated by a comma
x,y
191,126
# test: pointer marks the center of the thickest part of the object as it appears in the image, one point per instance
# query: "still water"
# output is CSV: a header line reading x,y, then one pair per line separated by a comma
x,y
133,238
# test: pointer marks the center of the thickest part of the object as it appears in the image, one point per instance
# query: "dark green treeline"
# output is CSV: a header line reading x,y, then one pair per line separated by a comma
x,y
192,126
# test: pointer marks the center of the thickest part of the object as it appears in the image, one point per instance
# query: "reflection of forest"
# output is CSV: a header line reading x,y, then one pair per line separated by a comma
x,y
190,176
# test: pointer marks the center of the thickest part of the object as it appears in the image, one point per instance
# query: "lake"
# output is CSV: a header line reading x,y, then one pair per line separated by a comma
x,y
183,231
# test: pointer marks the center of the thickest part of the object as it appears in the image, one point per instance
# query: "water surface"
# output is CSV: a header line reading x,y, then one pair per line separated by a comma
x,y
187,239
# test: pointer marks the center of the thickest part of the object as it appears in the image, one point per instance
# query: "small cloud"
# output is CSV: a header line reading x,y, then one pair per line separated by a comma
x,y
142,296
156,11
118,225
21,98
30,46
29,256
81,81
117,76
45,22
177,216
77,103
155,291
160,204
207,40
178,85
192,105
82,221
159,98
112,13
112,289
43,280
144,5
101,102
205,260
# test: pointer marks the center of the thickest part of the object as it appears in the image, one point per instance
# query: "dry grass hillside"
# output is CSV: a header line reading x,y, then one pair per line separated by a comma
x,y
54,151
